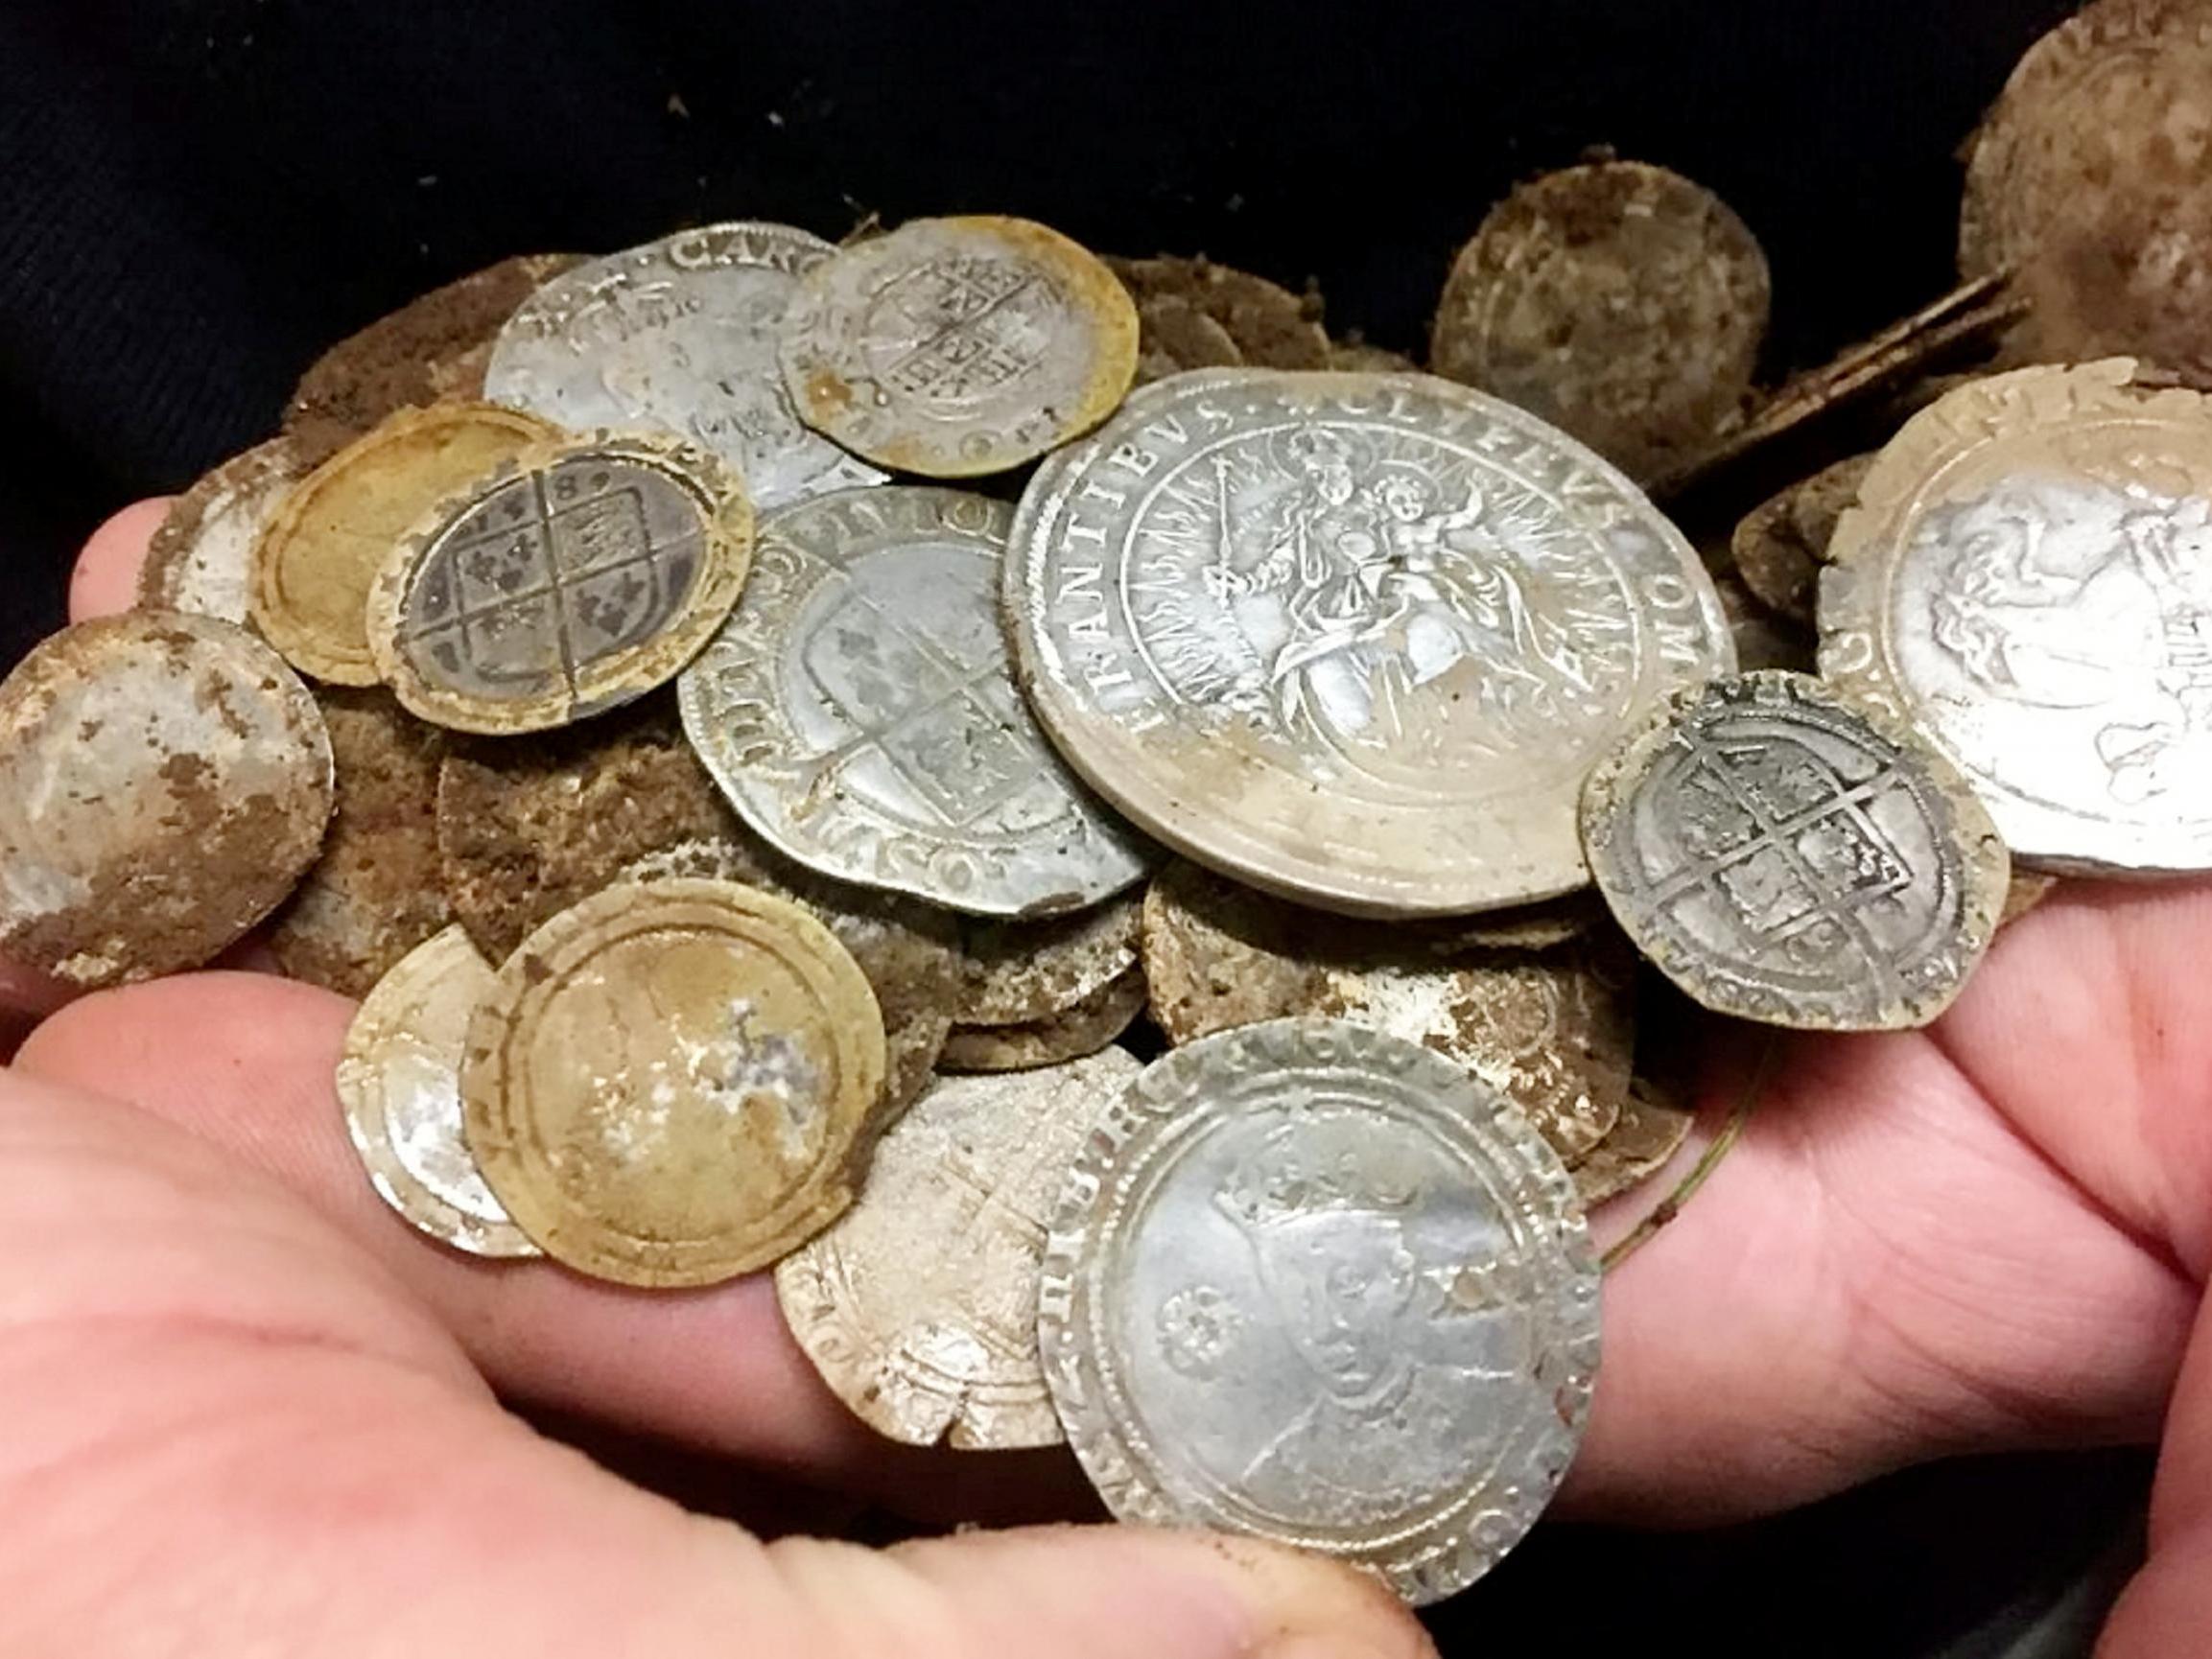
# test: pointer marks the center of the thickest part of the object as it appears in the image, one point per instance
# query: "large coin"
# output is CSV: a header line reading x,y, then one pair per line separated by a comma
x,y
577,579
671,1083
201,558
679,336
919,1308
1787,857
1352,637
2028,577
399,1081
954,347
1317,1284
859,710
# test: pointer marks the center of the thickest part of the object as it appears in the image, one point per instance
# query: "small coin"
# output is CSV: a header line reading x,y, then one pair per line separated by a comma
x,y
1081,1028
954,347
859,711
375,893
316,558
1015,971
1785,856
2028,578
671,1083
201,558
1780,545
919,1307
1269,326
1353,638
432,350
1619,301
1174,335
578,579
1644,1140
679,337
1316,1284
399,1081
164,779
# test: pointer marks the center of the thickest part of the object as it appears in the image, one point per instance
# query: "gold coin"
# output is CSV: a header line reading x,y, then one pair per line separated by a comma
x,y
315,561
399,1082
571,582
671,1083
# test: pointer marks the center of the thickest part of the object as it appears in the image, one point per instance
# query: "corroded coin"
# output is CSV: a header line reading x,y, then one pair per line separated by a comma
x,y
671,1083
576,580
2028,578
1786,856
1644,1141
1265,323
164,779
679,337
1352,637
859,710
399,1081
954,347
1313,1283
1012,972
919,1307
1619,301
1780,545
1174,335
201,558
1081,1028
320,553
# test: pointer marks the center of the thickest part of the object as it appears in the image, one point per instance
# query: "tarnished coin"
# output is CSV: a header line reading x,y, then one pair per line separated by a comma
x,y
679,336
954,347
164,779
671,1083
1762,638
1174,335
201,558
1617,300
576,580
432,349
859,713
1269,326
399,1081
318,557
1012,972
1313,1283
1357,355
1080,1028
1644,1141
375,893
919,1308
1785,856
2028,578
1780,545
2029,888
1352,637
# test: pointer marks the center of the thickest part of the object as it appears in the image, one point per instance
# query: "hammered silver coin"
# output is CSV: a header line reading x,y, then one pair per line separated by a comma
x,y
1320,1285
1352,637
859,712
679,337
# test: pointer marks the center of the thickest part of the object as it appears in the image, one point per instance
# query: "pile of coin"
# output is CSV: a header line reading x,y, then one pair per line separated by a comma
x,y
1147,941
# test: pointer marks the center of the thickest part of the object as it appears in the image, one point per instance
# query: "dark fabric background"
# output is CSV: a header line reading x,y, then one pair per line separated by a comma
x,y
196,196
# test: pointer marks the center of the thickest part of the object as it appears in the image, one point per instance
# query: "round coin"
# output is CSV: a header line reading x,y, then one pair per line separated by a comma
x,y
1267,324
201,558
1786,858
164,779
1316,1284
1015,971
679,337
1644,1141
1355,639
399,1081
954,347
1081,1028
574,580
2028,578
919,1307
859,711
316,558
1779,546
671,1083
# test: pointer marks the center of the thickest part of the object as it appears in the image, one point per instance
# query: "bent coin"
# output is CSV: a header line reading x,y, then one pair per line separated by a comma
x,y
1320,1285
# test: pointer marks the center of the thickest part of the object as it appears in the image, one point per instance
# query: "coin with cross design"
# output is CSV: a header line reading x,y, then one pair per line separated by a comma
x,y
1786,855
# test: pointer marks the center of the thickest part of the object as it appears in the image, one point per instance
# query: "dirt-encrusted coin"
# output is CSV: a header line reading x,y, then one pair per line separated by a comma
x,y
1786,856
164,779
1014,972
1173,336
1081,1028
1644,1139
581,577
1269,326
859,711
671,1083
1780,545
399,1082
919,1307
956,347
201,558
1320,1285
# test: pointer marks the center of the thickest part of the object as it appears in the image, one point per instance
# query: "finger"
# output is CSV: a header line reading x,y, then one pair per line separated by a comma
x,y
105,580
2164,1612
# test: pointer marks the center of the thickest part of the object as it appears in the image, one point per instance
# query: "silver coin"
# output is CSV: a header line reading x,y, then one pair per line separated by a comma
x,y
1353,638
201,558
859,710
679,336
1787,857
1320,1285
